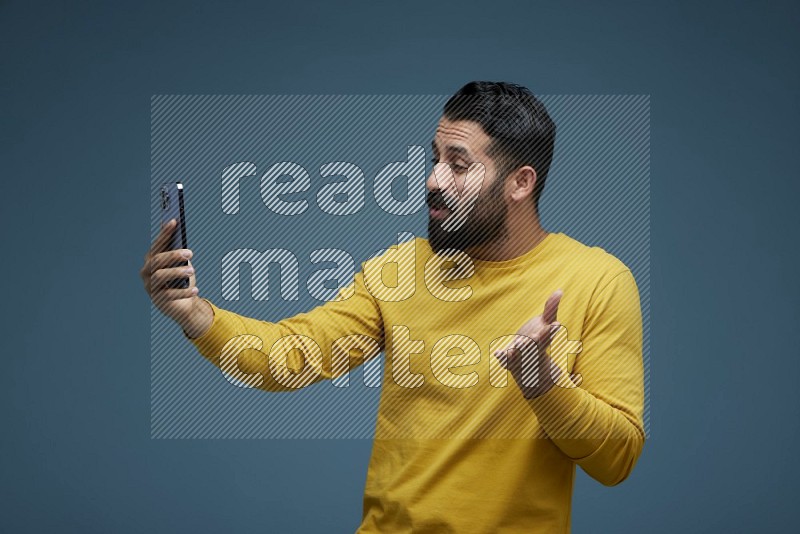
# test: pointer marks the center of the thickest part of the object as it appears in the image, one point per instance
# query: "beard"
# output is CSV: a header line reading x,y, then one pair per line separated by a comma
x,y
485,223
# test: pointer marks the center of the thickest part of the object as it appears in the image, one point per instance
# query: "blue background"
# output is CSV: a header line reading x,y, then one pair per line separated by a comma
x,y
76,83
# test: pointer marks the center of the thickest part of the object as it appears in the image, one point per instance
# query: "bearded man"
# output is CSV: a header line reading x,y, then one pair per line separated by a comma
x,y
459,446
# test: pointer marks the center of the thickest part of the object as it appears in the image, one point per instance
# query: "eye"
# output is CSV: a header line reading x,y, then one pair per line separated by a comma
x,y
458,169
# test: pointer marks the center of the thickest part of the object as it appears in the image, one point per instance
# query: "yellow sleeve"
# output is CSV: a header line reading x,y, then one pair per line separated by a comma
x,y
287,355
599,424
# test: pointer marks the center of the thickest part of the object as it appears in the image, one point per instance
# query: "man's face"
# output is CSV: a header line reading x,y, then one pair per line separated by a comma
x,y
461,144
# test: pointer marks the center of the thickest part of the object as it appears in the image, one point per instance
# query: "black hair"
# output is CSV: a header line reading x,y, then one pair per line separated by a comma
x,y
521,130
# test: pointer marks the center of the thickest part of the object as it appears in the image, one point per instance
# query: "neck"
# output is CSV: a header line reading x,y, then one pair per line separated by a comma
x,y
525,232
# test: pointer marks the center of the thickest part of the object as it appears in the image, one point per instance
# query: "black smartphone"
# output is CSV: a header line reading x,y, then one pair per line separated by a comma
x,y
172,208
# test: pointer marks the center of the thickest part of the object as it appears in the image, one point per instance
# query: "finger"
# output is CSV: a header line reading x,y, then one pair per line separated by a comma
x,y
508,358
522,362
550,334
193,278
168,295
515,347
161,277
162,239
169,258
551,307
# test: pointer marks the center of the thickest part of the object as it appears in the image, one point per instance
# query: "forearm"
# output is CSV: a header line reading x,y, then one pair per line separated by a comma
x,y
199,321
239,347
604,440
599,424
296,351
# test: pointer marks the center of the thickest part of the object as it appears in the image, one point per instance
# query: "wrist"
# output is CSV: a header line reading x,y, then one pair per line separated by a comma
x,y
199,320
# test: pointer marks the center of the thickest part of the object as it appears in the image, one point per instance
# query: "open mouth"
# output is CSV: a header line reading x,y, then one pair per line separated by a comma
x,y
437,207
438,212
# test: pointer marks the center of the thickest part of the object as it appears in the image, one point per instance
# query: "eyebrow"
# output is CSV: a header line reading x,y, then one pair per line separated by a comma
x,y
454,149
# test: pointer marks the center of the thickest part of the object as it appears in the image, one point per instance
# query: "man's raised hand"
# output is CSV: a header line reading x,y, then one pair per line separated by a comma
x,y
181,305
526,357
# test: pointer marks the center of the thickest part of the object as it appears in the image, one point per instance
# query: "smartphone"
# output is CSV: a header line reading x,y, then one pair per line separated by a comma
x,y
172,208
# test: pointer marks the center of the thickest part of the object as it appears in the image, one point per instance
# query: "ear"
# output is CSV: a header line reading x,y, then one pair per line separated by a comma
x,y
523,181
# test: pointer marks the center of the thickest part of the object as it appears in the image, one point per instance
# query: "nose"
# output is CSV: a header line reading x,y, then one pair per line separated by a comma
x,y
430,183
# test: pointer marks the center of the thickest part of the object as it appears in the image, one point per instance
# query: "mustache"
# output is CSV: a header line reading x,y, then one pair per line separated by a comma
x,y
435,200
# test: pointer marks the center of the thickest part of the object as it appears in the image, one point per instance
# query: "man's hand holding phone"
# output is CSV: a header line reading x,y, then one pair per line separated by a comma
x,y
182,305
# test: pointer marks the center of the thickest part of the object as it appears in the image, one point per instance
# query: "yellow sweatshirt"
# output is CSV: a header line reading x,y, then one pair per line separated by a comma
x,y
457,447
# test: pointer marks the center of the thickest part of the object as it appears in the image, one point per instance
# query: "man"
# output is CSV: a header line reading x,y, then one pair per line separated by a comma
x,y
458,446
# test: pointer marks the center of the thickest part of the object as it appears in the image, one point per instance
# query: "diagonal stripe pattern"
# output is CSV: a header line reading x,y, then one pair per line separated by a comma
x,y
220,146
